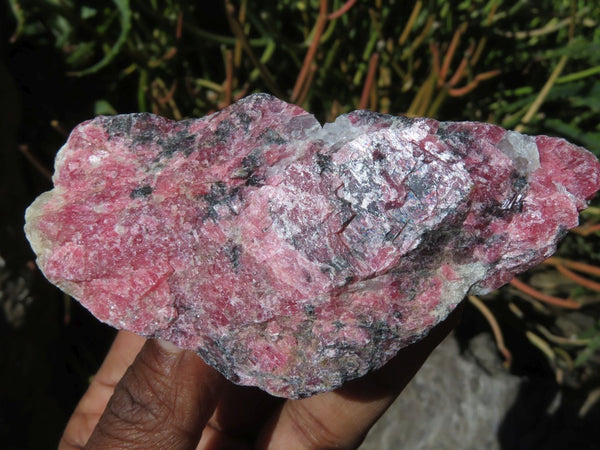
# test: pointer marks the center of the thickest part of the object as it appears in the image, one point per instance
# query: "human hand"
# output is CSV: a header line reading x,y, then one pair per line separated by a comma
x,y
169,398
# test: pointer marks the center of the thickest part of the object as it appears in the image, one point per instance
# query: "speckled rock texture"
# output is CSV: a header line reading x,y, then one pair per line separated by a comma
x,y
292,256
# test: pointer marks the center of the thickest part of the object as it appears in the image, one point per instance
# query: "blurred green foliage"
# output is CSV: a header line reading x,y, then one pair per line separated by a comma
x,y
474,59
532,65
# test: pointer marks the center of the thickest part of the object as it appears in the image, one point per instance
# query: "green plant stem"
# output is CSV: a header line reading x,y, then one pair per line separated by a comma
x,y
192,29
437,103
239,33
497,332
541,344
124,12
142,88
19,16
411,22
537,103
209,84
578,75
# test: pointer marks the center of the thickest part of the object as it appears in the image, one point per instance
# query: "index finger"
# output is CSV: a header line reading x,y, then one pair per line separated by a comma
x,y
89,409
164,400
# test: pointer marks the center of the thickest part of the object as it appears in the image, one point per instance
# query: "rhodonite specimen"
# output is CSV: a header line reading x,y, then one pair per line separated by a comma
x,y
292,256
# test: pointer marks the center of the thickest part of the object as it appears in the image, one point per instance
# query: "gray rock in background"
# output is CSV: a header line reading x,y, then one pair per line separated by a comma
x,y
454,402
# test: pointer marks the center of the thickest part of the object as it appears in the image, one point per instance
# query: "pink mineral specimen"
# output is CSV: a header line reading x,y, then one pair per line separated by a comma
x,y
292,256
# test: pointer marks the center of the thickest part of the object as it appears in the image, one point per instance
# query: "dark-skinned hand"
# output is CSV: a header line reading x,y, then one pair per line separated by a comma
x,y
150,394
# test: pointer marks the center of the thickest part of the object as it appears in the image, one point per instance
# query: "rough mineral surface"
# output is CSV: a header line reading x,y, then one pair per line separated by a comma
x,y
293,256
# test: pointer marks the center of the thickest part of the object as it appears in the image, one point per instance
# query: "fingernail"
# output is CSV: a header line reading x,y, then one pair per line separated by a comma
x,y
168,346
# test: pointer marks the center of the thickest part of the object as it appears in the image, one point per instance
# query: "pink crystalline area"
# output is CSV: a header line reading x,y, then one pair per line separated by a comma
x,y
292,256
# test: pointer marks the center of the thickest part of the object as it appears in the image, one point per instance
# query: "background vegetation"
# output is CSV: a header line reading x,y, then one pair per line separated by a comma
x,y
533,66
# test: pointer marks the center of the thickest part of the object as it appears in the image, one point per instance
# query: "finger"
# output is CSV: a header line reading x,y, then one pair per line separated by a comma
x,y
341,419
238,418
89,409
164,400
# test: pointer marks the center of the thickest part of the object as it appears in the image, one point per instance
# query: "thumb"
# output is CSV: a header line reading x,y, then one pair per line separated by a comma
x,y
164,400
